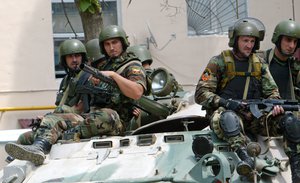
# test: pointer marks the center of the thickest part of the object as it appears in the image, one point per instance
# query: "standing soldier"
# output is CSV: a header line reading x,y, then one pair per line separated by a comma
x,y
221,82
285,71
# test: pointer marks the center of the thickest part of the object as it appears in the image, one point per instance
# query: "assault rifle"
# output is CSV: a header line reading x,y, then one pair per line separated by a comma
x,y
97,74
257,107
147,105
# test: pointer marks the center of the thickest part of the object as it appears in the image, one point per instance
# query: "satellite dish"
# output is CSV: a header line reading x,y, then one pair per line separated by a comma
x,y
151,39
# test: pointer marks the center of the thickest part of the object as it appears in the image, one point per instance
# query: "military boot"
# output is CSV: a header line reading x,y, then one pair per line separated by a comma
x,y
245,166
34,153
295,167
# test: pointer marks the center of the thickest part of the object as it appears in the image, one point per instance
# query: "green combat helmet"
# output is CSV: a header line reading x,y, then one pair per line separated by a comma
x,y
286,28
113,31
142,53
71,46
244,28
93,52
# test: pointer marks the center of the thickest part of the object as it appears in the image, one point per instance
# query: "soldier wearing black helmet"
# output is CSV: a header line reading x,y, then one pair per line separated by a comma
x,y
285,71
65,116
236,74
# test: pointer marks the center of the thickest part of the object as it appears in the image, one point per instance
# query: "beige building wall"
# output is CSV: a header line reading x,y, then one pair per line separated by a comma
x,y
27,69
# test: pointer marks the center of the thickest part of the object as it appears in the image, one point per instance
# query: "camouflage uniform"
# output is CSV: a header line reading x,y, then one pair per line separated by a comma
x,y
117,109
220,83
208,93
287,76
64,117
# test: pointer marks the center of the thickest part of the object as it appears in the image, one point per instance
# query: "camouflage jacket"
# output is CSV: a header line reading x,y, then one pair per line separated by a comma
x,y
208,87
134,72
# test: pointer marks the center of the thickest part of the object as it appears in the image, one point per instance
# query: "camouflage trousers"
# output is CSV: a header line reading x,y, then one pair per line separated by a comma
x,y
98,122
265,126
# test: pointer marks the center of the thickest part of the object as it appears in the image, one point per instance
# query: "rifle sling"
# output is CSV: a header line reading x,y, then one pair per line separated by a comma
x,y
291,83
247,80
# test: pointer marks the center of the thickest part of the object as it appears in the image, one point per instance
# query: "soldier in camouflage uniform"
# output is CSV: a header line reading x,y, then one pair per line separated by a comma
x,y
109,112
221,82
68,47
65,116
126,70
285,71
94,54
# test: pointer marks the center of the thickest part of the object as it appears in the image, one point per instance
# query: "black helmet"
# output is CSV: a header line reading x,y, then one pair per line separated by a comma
x,y
71,46
244,28
113,31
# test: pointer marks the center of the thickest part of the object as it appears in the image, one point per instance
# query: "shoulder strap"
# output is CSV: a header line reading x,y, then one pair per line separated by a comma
x,y
229,67
229,62
270,54
66,92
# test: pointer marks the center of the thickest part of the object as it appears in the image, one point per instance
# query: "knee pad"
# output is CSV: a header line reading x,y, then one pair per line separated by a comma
x,y
291,127
230,123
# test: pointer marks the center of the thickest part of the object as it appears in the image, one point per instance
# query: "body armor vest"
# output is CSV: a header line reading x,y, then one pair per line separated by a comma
x,y
236,73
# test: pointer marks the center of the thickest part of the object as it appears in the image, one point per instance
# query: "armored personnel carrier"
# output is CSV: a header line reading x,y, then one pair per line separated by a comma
x,y
179,148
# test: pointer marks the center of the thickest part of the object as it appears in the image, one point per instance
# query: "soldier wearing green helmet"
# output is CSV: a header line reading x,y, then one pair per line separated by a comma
x,y
285,71
93,52
33,145
230,77
127,72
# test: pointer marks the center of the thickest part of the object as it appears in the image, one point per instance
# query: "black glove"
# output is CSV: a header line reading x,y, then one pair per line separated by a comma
x,y
231,104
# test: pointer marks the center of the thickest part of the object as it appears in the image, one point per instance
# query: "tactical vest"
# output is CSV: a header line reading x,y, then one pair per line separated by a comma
x,y
119,102
67,90
230,72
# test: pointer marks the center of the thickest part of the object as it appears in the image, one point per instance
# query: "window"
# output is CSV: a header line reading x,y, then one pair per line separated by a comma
x,y
206,17
63,31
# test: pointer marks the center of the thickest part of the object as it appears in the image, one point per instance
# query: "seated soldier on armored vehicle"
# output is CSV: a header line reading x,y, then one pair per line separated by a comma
x,y
108,115
69,106
285,70
95,57
219,90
